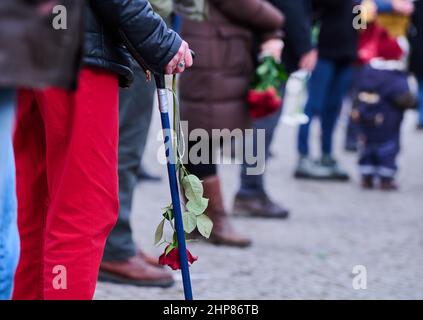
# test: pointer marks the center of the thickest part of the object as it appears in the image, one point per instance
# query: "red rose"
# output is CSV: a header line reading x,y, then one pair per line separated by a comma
x,y
172,259
263,103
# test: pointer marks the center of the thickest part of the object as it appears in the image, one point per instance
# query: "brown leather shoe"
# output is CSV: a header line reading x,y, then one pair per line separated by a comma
x,y
259,206
135,271
152,261
223,232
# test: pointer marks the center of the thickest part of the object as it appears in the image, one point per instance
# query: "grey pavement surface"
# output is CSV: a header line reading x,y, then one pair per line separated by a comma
x,y
334,227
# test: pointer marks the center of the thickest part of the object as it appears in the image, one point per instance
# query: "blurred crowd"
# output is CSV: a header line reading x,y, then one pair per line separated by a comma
x,y
76,103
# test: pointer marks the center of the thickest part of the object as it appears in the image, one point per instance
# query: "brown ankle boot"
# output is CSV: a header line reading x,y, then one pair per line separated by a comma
x,y
223,232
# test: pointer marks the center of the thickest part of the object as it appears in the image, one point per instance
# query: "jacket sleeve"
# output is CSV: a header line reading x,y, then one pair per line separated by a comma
x,y
144,33
252,13
297,25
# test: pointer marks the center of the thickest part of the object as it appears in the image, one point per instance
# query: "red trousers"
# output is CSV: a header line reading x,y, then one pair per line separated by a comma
x,y
66,159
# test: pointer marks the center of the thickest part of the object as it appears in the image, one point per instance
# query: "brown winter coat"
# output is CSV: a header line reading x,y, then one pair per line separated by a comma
x,y
213,91
32,52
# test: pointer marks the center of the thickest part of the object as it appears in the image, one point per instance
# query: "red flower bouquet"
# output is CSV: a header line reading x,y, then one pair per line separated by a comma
x,y
264,97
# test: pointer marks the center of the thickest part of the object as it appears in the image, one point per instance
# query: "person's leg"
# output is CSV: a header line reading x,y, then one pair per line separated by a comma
x,y
318,92
352,133
82,144
122,261
253,185
387,160
421,103
32,192
251,198
223,232
330,112
367,164
135,110
9,238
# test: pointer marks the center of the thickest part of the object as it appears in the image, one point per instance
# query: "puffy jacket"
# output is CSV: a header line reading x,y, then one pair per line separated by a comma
x,y
213,92
119,29
32,53
383,95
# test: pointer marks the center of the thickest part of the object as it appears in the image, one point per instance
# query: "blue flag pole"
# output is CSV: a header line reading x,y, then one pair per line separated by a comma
x,y
173,183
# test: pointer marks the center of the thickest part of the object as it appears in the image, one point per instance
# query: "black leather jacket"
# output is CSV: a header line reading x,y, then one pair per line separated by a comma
x,y
115,30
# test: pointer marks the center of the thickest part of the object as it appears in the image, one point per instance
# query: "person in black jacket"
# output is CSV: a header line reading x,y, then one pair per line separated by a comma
x,y
329,82
123,260
66,146
416,62
298,53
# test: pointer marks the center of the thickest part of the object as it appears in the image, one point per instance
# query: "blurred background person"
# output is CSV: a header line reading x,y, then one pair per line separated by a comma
x,y
416,62
32,55
123,261
213,93
66,147
298,53
393,15
384,93
329,82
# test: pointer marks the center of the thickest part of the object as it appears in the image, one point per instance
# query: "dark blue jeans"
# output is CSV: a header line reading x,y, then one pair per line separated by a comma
x,y
9,237
327,87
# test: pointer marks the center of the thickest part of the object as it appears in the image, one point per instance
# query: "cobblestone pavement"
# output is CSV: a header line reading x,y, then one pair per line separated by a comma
x,y
334,227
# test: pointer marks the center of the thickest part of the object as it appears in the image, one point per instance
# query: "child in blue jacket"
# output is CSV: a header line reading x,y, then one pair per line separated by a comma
x,y
384,93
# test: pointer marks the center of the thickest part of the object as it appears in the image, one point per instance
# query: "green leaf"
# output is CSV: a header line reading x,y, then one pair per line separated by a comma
x,y
204,225
159,232
190,221
193,187
169,249
262,69
198,206
168,214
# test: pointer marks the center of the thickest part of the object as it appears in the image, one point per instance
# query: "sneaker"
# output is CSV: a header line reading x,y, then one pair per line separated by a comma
x,y
310,169
336,171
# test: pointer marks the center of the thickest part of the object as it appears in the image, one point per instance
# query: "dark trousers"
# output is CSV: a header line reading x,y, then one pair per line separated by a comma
x,y
253,185
135,111
327,87
379,159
